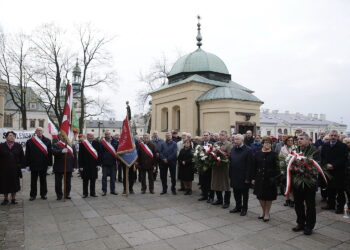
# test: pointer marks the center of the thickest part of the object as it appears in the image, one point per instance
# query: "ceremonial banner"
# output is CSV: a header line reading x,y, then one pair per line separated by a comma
x,y
75,122
126,152
66,126
21,136
52,129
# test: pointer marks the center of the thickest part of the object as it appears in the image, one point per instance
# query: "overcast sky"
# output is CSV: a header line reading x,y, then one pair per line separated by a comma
x,y
294,54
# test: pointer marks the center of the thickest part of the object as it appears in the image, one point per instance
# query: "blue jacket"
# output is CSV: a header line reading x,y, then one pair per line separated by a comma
x,y
168,150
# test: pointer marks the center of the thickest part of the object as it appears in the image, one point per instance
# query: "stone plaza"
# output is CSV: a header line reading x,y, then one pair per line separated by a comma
x,y
154,221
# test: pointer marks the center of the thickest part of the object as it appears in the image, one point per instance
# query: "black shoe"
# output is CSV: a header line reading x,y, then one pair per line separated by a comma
x,y
114,193
174,192
338,211
291,204
217,202
85,196
68,198
151,192
243,212
43,197
261,217
131,192
181,189
328,208
5,202
202,198
59,198
225,205
307,231
163,192
93,195
104,194
287,203
32,198
210,200
143,191
298,228
13,201
235,210
266,219
188,192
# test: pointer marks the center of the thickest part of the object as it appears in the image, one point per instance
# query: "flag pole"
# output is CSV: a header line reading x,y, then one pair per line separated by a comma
x,y
65,177
126,180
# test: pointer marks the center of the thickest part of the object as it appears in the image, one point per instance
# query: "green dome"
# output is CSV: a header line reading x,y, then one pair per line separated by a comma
x,y
228,93
199,61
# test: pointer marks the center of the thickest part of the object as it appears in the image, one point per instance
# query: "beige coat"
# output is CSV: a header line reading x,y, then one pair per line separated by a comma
x,y
220,175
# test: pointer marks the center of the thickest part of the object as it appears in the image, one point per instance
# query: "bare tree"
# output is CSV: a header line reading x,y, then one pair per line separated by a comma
x,y
15,69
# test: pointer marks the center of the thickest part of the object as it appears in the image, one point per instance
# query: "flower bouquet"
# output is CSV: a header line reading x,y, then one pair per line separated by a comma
x,y
302,170
217,157
200,158
206,157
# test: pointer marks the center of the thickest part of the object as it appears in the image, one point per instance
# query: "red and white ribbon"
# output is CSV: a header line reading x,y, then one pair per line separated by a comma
x,y
39,143
90,149
109,147
146,149
69,148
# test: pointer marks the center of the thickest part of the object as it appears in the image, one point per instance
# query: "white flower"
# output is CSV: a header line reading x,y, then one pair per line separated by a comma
x,y
201,154
204,157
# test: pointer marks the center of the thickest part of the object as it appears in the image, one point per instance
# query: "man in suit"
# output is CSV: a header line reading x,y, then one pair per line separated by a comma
x,y
334,156
89,161
38,158
157,142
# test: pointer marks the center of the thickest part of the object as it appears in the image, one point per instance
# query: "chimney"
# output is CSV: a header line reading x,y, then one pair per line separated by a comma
x,y
322,117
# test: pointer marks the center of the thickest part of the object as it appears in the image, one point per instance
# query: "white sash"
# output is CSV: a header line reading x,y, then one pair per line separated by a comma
x,y
69,148
109,147
39,143
90,149
147,150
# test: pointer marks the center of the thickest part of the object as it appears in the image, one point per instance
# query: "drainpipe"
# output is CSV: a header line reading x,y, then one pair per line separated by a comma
x,y
198,119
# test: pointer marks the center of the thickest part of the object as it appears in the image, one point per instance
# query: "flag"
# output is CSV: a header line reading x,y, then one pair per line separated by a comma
x,y
75,122
66,125
52,129
126,151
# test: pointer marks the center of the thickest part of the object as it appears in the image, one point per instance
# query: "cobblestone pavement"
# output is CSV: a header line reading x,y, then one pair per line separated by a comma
x,y
146,221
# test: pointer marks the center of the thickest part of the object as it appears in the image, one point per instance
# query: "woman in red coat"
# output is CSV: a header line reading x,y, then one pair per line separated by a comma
x,y
12,160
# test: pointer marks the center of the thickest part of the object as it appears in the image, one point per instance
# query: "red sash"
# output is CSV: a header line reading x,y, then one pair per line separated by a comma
x,y
69,148
90,149
109,147
39,143
146,149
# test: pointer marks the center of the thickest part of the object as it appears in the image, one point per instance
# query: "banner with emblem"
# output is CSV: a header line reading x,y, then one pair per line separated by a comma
x,y
127,152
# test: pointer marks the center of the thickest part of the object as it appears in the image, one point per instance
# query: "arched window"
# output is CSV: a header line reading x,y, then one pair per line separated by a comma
x,y
164,119
285,131
279,131
176,118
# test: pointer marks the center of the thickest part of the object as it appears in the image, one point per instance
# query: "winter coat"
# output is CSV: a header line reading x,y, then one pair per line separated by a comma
x,y
87,162
186,170
220,174
144,160
35,158
59,159
241,165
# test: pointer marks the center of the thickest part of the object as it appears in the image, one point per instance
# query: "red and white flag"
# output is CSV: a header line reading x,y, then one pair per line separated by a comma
x,y
52,129
66,125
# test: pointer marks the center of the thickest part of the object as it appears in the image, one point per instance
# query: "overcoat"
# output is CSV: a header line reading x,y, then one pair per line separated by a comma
x,y
59,160
220,175
35,158
87,162
241,164
144,160
186,171
11,162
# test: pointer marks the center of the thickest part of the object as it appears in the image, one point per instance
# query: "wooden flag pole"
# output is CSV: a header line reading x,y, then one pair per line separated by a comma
x,y
126,180
65,177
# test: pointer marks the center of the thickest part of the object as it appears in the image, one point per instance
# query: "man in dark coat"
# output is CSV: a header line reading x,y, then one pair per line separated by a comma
x,y
88,163
205,176
12,161
157,142
168,157
64,155
248,139
38,158
241,166
108,156
304,195
334,156
146,151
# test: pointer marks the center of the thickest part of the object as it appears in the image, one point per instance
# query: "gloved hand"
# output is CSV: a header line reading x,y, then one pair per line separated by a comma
x,y
64,151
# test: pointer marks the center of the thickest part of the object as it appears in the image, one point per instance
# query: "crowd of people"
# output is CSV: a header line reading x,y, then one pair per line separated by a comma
x,y
253,162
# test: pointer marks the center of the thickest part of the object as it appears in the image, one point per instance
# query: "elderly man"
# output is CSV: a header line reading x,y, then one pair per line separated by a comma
x,y
38,158
241,165
88,163
108,154
157,142
220,175
168,157
248,139
146,151
334,155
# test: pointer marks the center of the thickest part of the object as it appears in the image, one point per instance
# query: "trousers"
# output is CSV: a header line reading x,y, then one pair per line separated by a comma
x,y
33,183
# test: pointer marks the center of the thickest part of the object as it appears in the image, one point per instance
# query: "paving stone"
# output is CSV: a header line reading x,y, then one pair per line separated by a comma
x,y
115,242
303,242
154,223
186,242
98,221
73,225
168,232
104,231
128,227
334,233
87,245
120,218
47,240
78,235
156,245
192,227
140,237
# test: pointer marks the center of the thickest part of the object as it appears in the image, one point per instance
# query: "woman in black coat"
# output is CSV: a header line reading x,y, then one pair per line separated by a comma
x,y
12,161
186,169
266,171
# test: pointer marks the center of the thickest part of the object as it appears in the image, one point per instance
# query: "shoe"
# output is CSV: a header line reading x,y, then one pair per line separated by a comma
x,y
124,192
266,219
291,204
93,195
188,192
174,192
261,217
181,189
163,192
143,192
287,203
32,198
104,194
68,198
235,210
151,192
225,206
5,202
298,228
115,193
307,231
43,197
217,202
202,198
131,192
328,208
59,198
243,212
338,211
85,196
13,201
210,200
